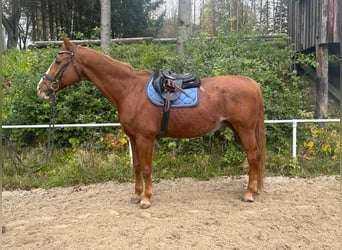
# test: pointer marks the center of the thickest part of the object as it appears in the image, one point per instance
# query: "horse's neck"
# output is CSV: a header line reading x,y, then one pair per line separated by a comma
x,y
110,76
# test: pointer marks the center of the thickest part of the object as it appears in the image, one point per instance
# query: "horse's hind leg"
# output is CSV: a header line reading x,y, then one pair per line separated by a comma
x,y
248,141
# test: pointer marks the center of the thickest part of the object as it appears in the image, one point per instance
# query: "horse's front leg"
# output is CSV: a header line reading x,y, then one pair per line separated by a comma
x,y
139,187
142,149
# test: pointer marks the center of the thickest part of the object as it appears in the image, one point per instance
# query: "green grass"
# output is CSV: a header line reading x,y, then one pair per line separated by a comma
x,y
301,166
88,164
67,167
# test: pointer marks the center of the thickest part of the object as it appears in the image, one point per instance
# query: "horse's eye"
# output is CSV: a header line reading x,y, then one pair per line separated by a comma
x,y
57,61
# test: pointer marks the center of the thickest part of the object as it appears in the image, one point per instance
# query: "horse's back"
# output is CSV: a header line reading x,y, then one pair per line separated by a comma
x,y
233,90
233,83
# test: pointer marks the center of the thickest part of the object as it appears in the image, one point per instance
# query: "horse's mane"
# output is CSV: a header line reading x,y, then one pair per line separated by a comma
x,y
107,57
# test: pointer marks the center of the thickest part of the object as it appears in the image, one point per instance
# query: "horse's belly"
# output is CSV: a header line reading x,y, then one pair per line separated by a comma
x,y
187,123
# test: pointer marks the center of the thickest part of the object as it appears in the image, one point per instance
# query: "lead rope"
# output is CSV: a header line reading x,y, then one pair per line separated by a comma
x,y
50,149
51,136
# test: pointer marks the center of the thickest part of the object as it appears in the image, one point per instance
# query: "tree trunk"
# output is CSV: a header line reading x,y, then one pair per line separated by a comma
x,y
11,24
340,36
322,59
105,25
183,29
51,20
213,16
322,83
33,17
44,13
3,41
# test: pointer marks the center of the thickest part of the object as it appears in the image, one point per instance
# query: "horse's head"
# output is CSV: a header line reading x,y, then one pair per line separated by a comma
x,y
62,72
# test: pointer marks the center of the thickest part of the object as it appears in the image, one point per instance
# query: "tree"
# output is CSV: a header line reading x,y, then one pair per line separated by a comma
x,y
132,18
105,25
80,19
228,15
10,19
183,28
280,16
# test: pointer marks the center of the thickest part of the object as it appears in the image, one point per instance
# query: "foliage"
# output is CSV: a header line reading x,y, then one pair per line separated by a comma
x,y
48,19
131,18
99,154
145,56
323,141
115,142
70,166
225,54
302,166
265,61
20,102
81,103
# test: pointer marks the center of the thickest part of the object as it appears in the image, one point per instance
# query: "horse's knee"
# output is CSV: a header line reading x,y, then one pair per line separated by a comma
x,y
146,171
253,158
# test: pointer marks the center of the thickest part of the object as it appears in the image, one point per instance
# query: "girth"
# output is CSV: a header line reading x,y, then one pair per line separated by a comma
x,y
170,86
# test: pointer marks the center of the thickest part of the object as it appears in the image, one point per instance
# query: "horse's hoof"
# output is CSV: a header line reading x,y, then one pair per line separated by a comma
x,y
247,198
145,204
135,200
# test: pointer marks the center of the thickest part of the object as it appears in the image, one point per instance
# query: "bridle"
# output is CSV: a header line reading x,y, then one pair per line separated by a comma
x,y
57,79
51,90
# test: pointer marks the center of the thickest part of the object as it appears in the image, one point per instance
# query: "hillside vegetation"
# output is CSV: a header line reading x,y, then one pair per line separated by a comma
x,y
84,155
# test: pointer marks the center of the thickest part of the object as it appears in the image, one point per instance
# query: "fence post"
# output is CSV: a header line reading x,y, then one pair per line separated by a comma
x,y
294,129
130,152
294,138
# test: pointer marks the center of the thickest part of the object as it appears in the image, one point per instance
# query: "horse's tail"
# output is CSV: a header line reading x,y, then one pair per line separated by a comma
x,y
261,141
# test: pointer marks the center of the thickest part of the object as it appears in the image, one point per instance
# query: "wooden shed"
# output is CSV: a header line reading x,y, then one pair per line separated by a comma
x,y
314,26
312,22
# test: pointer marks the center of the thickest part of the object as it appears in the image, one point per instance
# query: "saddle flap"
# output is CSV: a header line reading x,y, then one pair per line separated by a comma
x,y
158,82
173,95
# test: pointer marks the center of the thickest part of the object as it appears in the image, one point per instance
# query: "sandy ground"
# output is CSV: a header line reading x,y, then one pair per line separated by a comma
x,y
186,214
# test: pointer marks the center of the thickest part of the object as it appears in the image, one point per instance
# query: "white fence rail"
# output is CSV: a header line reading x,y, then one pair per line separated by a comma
x,y
294,128
293,121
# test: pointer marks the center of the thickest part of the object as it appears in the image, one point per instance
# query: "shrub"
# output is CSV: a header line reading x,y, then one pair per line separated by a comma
x,y
83,150
322,141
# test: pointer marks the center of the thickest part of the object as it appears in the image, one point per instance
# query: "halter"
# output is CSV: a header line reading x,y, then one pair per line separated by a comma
x,y
56,80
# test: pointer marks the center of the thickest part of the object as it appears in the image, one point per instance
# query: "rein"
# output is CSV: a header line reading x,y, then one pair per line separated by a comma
x,y
56,80
14,156
51,134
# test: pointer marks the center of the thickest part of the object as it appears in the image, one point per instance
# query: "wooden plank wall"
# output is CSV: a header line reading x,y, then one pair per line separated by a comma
x,y
313,21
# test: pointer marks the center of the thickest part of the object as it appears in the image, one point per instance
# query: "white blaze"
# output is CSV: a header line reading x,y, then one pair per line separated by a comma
x,y
41,79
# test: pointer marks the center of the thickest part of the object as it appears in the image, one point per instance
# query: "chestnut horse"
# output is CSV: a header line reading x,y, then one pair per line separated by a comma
x,y
225,101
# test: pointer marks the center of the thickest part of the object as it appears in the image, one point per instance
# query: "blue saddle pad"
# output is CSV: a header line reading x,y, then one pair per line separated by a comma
x,y
183,101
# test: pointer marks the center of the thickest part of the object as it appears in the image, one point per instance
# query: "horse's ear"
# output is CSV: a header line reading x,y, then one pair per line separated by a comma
x,y
67,44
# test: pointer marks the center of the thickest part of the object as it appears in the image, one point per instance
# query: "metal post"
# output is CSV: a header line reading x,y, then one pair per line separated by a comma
x,y
294,129
130,152
294,139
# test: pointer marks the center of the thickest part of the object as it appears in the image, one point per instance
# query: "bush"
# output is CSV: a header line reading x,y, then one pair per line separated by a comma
x,y
322,141
265,61
81,103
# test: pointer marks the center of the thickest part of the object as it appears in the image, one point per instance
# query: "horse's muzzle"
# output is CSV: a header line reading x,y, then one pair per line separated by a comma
x,y
46,93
